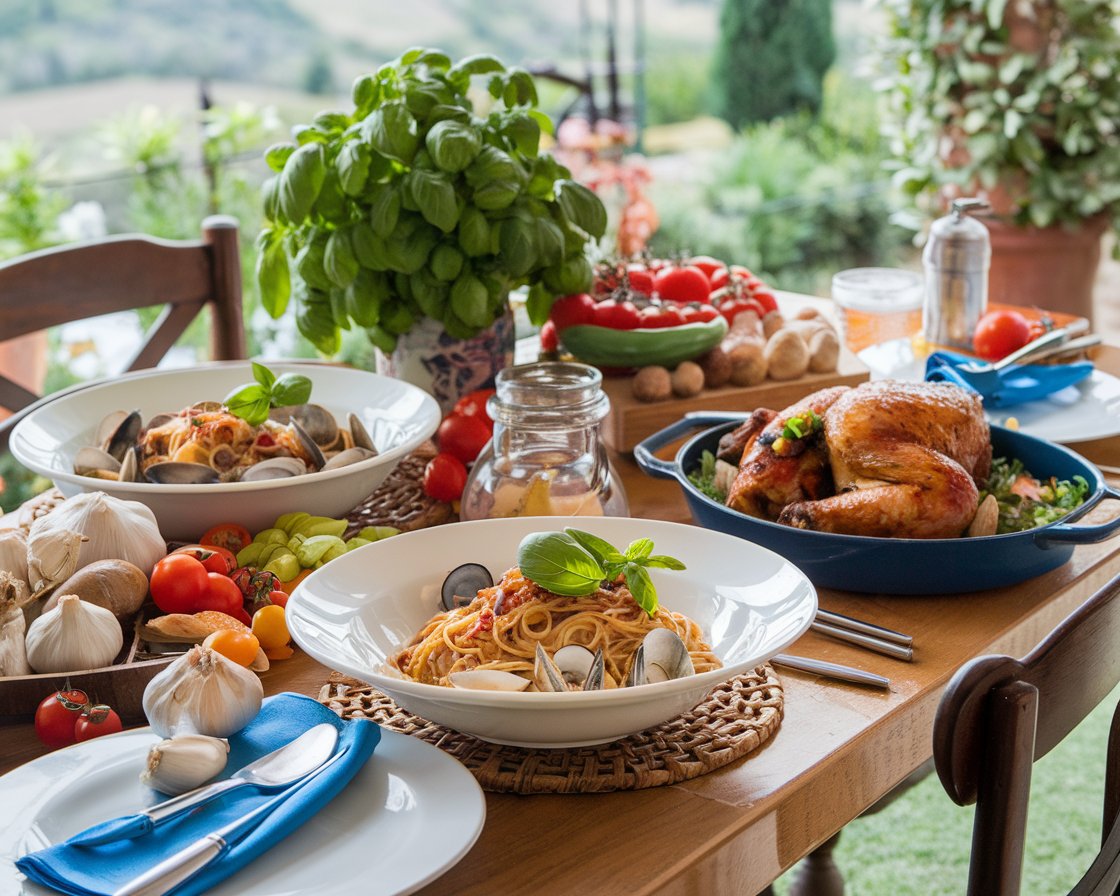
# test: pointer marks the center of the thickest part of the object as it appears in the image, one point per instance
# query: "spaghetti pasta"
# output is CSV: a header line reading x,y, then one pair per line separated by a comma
x,y
502,626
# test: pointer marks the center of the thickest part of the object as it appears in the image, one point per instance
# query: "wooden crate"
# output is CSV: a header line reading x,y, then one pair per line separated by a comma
x,y
631,420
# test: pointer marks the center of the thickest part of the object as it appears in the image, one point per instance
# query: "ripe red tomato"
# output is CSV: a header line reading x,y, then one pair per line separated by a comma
x,y
280,598
641,280
617,315
722,276
444,477
96,721
550,341
463,436
215,559
696,314
230,536
178,583
657,317
1000,332
473,404
221,594
707,264
730,307
683,283
56,715
568,311
765,298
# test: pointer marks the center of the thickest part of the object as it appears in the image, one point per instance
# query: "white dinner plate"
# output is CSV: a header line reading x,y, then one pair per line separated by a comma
x,y
1088,410
411,813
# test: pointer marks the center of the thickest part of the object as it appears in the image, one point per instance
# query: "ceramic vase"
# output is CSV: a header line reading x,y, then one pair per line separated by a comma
x,y
448,368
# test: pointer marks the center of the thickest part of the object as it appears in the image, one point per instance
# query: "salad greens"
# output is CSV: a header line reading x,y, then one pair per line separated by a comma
x,y
1026,503
252,402
575,563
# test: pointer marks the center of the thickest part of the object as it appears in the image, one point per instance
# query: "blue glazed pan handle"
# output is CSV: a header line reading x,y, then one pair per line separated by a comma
x,y
1064,534
667,469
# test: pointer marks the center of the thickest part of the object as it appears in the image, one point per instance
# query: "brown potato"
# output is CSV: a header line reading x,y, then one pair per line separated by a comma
x,y
116,585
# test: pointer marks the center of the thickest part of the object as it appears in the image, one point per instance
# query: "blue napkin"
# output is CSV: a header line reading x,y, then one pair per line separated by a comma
x,y
1015,384
100,870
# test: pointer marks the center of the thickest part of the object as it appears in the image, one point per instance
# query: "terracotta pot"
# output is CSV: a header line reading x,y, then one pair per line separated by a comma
x,y
1050,267
448,368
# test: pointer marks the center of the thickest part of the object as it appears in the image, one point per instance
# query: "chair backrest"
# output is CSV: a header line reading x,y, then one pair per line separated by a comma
x,y
81,280
999,715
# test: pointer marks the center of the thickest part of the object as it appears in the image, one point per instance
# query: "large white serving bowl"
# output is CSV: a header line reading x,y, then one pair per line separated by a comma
x,y
398,415
358,610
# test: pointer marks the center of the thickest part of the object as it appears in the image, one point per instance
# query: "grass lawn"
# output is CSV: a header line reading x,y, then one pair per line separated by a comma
x,y
919,845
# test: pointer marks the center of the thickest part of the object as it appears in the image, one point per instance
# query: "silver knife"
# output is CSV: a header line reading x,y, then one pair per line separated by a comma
x,y
831,670
868,642
186,863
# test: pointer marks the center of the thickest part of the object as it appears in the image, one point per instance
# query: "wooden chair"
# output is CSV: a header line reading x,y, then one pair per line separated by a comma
x,y
77,281
998,715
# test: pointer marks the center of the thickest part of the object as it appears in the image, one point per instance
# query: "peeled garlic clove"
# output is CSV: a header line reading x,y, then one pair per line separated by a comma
x,y
182,763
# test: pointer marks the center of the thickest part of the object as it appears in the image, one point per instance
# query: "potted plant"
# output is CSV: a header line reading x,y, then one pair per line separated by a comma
x,y
1017,102
412,215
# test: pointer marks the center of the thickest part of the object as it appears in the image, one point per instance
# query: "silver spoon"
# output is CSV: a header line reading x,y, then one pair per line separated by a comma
x,y
278,769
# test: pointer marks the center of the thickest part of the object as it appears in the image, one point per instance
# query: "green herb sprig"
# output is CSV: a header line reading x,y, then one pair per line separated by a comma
x,y
575,563
252,401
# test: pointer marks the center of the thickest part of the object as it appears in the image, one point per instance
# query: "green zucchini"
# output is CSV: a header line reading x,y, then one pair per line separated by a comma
x,y
665,346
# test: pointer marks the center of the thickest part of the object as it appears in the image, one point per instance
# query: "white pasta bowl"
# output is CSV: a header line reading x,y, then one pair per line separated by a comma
x,y
357,611
398,416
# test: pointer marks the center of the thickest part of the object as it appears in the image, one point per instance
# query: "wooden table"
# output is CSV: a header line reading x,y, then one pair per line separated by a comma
x,y
839,749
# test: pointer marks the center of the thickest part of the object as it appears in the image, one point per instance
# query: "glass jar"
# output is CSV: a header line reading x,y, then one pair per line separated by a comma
x,y
546,458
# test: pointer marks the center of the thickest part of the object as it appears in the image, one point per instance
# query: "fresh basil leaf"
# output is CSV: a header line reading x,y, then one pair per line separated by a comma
x,y
396,318
273,275
435,198
641,586
316,321
263,375
491,164
381,339
479,64
250,403
301,180
446,262
495,195
662,561
601,549
538,303
310,264
582,207
474,232
339,312
573,275
558,564
550,242
339,260
291,388
639,549
453,145
365,93
470,300
429,292
518,246
353,167
365,295
277,155
391,130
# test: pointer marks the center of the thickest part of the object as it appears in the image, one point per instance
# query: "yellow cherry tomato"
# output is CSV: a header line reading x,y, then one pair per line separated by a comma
x,y
240,647
270,629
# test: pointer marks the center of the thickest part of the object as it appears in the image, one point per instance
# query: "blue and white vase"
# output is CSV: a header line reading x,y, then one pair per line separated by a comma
x,y
446,367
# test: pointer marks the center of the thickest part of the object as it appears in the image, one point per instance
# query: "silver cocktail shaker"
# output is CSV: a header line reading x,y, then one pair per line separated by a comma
x,y
956,259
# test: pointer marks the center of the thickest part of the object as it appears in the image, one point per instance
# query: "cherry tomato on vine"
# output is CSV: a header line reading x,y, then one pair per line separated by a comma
x,y
656,317
280,598
230,536
617,315
569,311
722,276
179,582
550,341
683,283
221,594
56,715
641,280
707,264
96,721
463,436
1000,332
444,477
215,559
765,298
698,314
731,307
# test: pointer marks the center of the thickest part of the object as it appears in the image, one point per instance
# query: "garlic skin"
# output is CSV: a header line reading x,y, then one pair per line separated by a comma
x,y
202,693
89,527
182,763
72,637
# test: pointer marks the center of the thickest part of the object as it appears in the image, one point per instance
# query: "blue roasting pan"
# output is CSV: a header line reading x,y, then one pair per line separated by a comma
x,y
895,565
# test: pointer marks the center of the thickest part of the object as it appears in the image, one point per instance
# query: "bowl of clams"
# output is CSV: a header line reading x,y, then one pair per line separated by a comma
x,y
166,438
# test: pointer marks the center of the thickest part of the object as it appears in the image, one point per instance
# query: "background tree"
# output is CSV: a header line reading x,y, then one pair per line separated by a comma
x,y
771,58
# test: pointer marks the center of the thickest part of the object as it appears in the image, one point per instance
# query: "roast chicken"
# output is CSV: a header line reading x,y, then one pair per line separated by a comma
x,y
886,458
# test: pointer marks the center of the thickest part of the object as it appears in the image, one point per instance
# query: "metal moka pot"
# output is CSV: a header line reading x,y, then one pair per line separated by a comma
x,y
957,258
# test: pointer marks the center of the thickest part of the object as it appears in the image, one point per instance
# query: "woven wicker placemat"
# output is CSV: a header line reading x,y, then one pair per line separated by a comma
x,y
400,500
733,720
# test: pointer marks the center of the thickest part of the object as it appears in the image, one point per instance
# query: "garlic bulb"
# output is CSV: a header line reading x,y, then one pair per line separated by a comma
x,y
202,693
73,636
182,763
89,527
13,554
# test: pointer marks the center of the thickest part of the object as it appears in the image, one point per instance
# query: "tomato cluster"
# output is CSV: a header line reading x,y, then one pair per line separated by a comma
x,y
659,294
460,438
67,717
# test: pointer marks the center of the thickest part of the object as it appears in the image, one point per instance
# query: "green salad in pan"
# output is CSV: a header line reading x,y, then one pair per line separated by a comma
x,y
1024,502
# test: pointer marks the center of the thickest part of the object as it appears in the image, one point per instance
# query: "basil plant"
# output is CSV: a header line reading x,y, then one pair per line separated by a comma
x,y
413,204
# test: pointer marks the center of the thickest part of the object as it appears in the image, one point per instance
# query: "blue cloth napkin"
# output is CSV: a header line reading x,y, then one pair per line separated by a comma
x,y
100,870
1015,384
